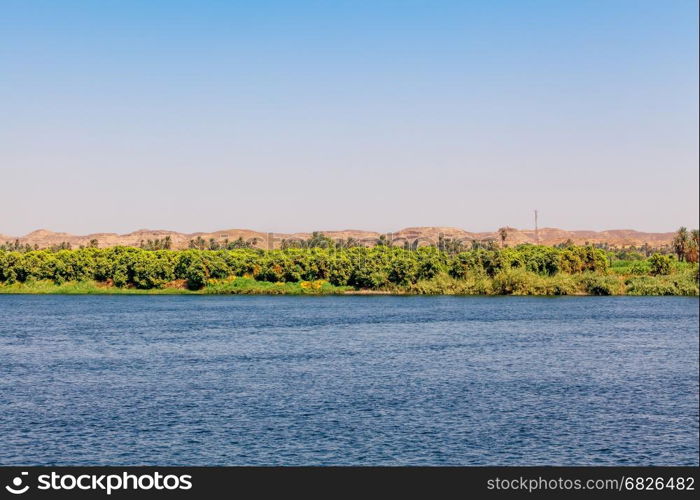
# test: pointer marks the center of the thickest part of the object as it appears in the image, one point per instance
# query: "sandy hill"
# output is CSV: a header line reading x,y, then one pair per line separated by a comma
x,y
547,236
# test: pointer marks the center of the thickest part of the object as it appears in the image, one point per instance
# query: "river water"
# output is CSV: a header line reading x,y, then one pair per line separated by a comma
x,y
379,380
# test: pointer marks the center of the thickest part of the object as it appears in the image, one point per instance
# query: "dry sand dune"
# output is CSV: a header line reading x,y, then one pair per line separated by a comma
x,y
547,236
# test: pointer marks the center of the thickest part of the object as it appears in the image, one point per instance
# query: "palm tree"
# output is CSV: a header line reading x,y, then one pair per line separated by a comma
x,y
693,252
680,243
503,233
198,243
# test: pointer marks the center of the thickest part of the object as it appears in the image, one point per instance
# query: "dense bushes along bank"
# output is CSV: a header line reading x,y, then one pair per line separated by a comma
x,y
526,269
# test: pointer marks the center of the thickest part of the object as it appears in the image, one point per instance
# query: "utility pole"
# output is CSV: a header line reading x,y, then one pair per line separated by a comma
x,y
537,233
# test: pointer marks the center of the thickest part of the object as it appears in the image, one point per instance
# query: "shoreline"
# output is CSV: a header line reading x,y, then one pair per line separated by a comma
x,y
314,289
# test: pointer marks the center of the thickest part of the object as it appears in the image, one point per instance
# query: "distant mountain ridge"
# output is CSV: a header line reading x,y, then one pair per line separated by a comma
x,y
547,236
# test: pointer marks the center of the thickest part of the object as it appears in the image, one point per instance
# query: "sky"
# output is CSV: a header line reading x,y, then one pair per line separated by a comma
x,y
319,115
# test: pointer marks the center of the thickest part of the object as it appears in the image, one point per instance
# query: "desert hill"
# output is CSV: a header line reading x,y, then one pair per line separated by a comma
x,y
547,236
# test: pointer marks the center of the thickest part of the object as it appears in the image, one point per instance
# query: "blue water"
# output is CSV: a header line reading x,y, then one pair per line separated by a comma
x,y
183,380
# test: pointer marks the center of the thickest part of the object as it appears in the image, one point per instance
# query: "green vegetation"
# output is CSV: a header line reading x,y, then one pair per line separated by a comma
x,y
232,285
319,266
200,243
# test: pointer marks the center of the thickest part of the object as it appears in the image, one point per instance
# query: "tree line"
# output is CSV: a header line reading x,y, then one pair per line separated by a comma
x,y
360,267
347,263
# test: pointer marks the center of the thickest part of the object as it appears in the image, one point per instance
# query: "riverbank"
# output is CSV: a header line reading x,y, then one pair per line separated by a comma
x,y
232,286
511,282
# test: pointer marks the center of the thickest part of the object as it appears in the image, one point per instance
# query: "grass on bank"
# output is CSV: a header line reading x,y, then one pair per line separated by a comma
x,y
250,286
233,285
644,267
507,282
522,282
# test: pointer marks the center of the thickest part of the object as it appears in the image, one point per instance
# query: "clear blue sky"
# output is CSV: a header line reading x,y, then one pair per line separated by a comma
x,y
300,115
